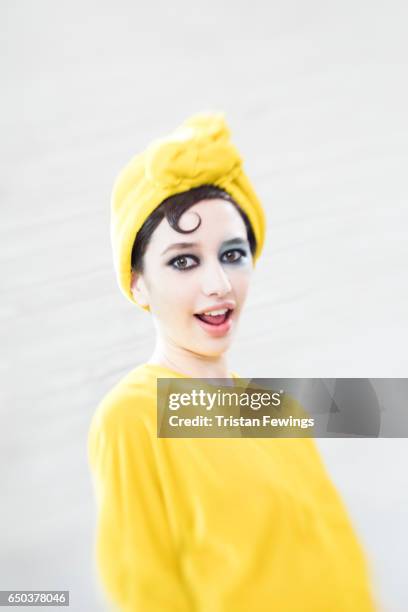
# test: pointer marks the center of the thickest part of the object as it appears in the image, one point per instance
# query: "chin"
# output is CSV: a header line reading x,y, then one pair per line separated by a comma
x,y
214,348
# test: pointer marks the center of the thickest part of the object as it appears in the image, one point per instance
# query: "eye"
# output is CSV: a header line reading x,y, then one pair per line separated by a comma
x,y
183,262
233,255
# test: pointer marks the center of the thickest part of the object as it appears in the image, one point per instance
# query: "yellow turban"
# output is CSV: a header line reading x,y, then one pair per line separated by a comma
x,y
199,152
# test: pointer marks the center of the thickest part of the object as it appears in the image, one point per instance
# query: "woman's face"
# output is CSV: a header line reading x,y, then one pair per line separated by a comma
x,y
187,275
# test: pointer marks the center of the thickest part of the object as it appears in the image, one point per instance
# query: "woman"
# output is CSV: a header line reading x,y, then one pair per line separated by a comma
x,y
217,525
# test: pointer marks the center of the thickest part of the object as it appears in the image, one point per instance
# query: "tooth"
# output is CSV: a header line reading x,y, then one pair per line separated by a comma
x,y
217,312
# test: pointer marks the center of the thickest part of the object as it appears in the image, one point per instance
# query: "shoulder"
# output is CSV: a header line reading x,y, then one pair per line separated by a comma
x,y
128,406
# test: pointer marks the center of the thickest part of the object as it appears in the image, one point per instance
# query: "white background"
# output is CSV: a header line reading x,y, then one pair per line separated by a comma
x,y
316,96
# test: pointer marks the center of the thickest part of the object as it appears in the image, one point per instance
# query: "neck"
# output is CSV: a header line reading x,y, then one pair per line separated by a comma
x,y
189,363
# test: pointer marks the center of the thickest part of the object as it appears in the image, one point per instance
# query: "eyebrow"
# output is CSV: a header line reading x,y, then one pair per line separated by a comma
x,y
189,245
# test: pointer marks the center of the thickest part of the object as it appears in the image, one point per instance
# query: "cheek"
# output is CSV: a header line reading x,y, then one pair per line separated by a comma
x,y
240,280
174,299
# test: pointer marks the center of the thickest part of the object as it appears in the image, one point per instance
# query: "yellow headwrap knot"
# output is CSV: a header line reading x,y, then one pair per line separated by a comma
x,y
199,150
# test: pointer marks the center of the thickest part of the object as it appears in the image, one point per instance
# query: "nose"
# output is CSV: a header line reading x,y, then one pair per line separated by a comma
x,y
215,281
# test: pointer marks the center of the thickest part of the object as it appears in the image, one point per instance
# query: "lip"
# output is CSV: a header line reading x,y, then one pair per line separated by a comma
x,y
217,331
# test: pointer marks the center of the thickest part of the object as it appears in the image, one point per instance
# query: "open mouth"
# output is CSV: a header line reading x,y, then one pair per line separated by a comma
x,y
215,318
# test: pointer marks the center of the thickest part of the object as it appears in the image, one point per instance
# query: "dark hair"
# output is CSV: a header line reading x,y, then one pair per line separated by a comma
x,y
172,208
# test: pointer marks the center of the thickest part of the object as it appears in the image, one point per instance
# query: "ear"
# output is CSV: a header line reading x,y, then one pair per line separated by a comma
x,y
139,289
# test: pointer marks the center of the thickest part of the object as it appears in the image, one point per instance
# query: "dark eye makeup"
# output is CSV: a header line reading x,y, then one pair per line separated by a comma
x,y
183,262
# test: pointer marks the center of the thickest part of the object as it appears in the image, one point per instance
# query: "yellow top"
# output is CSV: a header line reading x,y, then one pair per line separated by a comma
x,y
215,525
